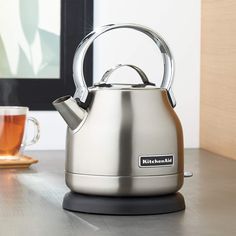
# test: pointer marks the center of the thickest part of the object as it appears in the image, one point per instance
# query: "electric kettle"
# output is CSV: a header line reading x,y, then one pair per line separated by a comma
x,y
123,140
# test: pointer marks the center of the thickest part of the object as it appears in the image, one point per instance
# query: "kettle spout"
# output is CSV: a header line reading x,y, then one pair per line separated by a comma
x,y
70,111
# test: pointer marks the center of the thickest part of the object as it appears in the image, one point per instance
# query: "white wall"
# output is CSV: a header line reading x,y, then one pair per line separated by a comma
x,y
179,24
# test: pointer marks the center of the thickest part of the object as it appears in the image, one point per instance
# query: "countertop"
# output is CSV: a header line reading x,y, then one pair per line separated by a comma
x,y
30,202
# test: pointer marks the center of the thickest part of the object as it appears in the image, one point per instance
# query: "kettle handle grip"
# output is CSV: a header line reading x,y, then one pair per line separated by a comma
x,y
78,62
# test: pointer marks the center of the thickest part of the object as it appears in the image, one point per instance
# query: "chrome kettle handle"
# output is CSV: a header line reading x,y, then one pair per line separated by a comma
x,y
78,73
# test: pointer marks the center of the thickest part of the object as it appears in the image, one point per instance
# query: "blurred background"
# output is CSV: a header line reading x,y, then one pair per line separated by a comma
x,y
200,34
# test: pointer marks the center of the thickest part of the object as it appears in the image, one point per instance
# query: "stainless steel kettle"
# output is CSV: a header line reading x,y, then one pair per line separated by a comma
x,y
122,140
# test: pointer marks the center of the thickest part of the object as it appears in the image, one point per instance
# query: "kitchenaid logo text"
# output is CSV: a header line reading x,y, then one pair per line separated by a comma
x,y
158,160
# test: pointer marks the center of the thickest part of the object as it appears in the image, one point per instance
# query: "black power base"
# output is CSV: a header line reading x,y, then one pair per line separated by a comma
x,y
123,205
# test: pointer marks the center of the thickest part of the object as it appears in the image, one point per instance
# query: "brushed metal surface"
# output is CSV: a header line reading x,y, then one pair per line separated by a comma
x,y
31,202
119,128
121,124
124,185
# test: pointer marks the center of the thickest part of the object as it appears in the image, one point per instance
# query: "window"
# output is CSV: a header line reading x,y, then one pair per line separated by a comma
x,y
37,43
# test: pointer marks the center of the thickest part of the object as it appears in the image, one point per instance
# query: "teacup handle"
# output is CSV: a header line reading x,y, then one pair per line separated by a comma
x,y
36,132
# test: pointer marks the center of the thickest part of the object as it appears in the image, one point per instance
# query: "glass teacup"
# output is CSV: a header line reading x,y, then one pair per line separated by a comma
x,y
13,122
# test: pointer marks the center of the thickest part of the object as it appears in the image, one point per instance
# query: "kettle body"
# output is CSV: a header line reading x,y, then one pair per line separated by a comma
x,y
104,154
122,140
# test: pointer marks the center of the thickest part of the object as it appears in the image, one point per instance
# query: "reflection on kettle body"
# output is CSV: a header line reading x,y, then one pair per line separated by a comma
x,y
125,140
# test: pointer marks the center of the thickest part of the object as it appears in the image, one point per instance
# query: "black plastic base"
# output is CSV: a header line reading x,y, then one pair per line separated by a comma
x,y
123,205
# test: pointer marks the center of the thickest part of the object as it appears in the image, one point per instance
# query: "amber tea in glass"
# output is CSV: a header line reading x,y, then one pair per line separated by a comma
x,y
12,127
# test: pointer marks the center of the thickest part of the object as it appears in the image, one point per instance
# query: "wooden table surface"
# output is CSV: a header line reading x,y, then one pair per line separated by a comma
x,y
30,202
